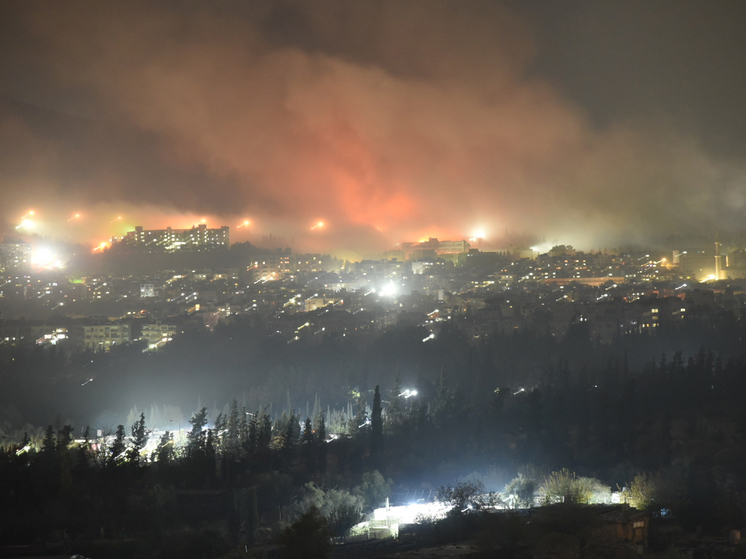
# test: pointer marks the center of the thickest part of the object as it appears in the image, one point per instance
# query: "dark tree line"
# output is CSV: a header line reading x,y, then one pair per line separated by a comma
x,y
642,404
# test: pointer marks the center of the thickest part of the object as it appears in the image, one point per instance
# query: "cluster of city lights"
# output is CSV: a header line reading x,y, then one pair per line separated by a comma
x,y
32,222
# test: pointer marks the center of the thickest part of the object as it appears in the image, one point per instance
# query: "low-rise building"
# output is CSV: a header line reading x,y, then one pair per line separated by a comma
x,y
102,337
157,334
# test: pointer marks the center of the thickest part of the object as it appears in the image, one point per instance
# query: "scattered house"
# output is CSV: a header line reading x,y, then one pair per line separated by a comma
x,y
623,523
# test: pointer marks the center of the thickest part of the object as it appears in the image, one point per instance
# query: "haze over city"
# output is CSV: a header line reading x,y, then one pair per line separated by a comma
x,y
580,123
372,279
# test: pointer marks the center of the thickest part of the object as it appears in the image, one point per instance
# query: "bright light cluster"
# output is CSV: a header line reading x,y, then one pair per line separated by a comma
x,y
45,258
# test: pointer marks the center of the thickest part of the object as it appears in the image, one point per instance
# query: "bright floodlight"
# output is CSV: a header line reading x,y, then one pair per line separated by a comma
x,y
542,248
44,258
26,224
479,234
389,290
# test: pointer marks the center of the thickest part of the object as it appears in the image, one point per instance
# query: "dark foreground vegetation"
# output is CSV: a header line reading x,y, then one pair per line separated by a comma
x,y
661,414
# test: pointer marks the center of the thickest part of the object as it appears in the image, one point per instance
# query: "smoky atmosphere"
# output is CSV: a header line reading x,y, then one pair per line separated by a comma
x,y
350,279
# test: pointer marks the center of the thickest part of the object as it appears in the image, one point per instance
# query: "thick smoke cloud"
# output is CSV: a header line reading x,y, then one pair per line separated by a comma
x,y
387,121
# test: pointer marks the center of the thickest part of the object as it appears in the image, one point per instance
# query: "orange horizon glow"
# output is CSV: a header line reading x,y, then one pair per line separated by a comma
x,y
352,235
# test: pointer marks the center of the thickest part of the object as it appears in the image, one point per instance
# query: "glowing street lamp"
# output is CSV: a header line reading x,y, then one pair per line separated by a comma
x,y
318,225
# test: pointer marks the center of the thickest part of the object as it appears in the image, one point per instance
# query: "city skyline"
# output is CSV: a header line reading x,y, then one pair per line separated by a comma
x,y
581,124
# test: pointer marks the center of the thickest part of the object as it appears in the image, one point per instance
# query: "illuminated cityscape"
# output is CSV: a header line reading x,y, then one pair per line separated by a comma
x,y
199,237
372,280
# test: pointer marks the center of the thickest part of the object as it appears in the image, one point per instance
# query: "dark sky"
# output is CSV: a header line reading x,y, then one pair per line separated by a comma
x,y
582,122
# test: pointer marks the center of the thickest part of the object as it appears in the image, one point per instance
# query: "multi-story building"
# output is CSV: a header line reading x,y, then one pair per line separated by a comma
x,y
15,256
149,289
198,237
273,266
157,334
433,247
313,303
102,337
312,262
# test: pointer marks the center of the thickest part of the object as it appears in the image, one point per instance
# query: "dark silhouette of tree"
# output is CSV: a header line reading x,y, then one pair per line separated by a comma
x,y
251,440
83,452
50,441
308,448
376,424
263,440
308,537
196,436
307,431
139,440
164,452
64,438
522,489
117,448
463,498
232,432
395,411
358,425
321,443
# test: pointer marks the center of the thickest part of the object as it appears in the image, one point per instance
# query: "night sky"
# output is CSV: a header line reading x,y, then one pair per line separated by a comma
x,y
582,122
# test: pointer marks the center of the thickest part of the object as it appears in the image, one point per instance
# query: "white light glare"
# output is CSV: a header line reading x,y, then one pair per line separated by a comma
x,y
389,290
45,258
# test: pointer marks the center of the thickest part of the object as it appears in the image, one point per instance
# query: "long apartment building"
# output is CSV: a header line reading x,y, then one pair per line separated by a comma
x,y
198,237
102,337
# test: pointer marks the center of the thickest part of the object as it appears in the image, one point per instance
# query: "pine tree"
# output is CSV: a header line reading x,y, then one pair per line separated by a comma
x,y
376,424
164,453
139,440
290,438
210,455
321,443
264,433
359,423
395,413
196,437
232,434
252,435
307,432
64,438
117,448
50,441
